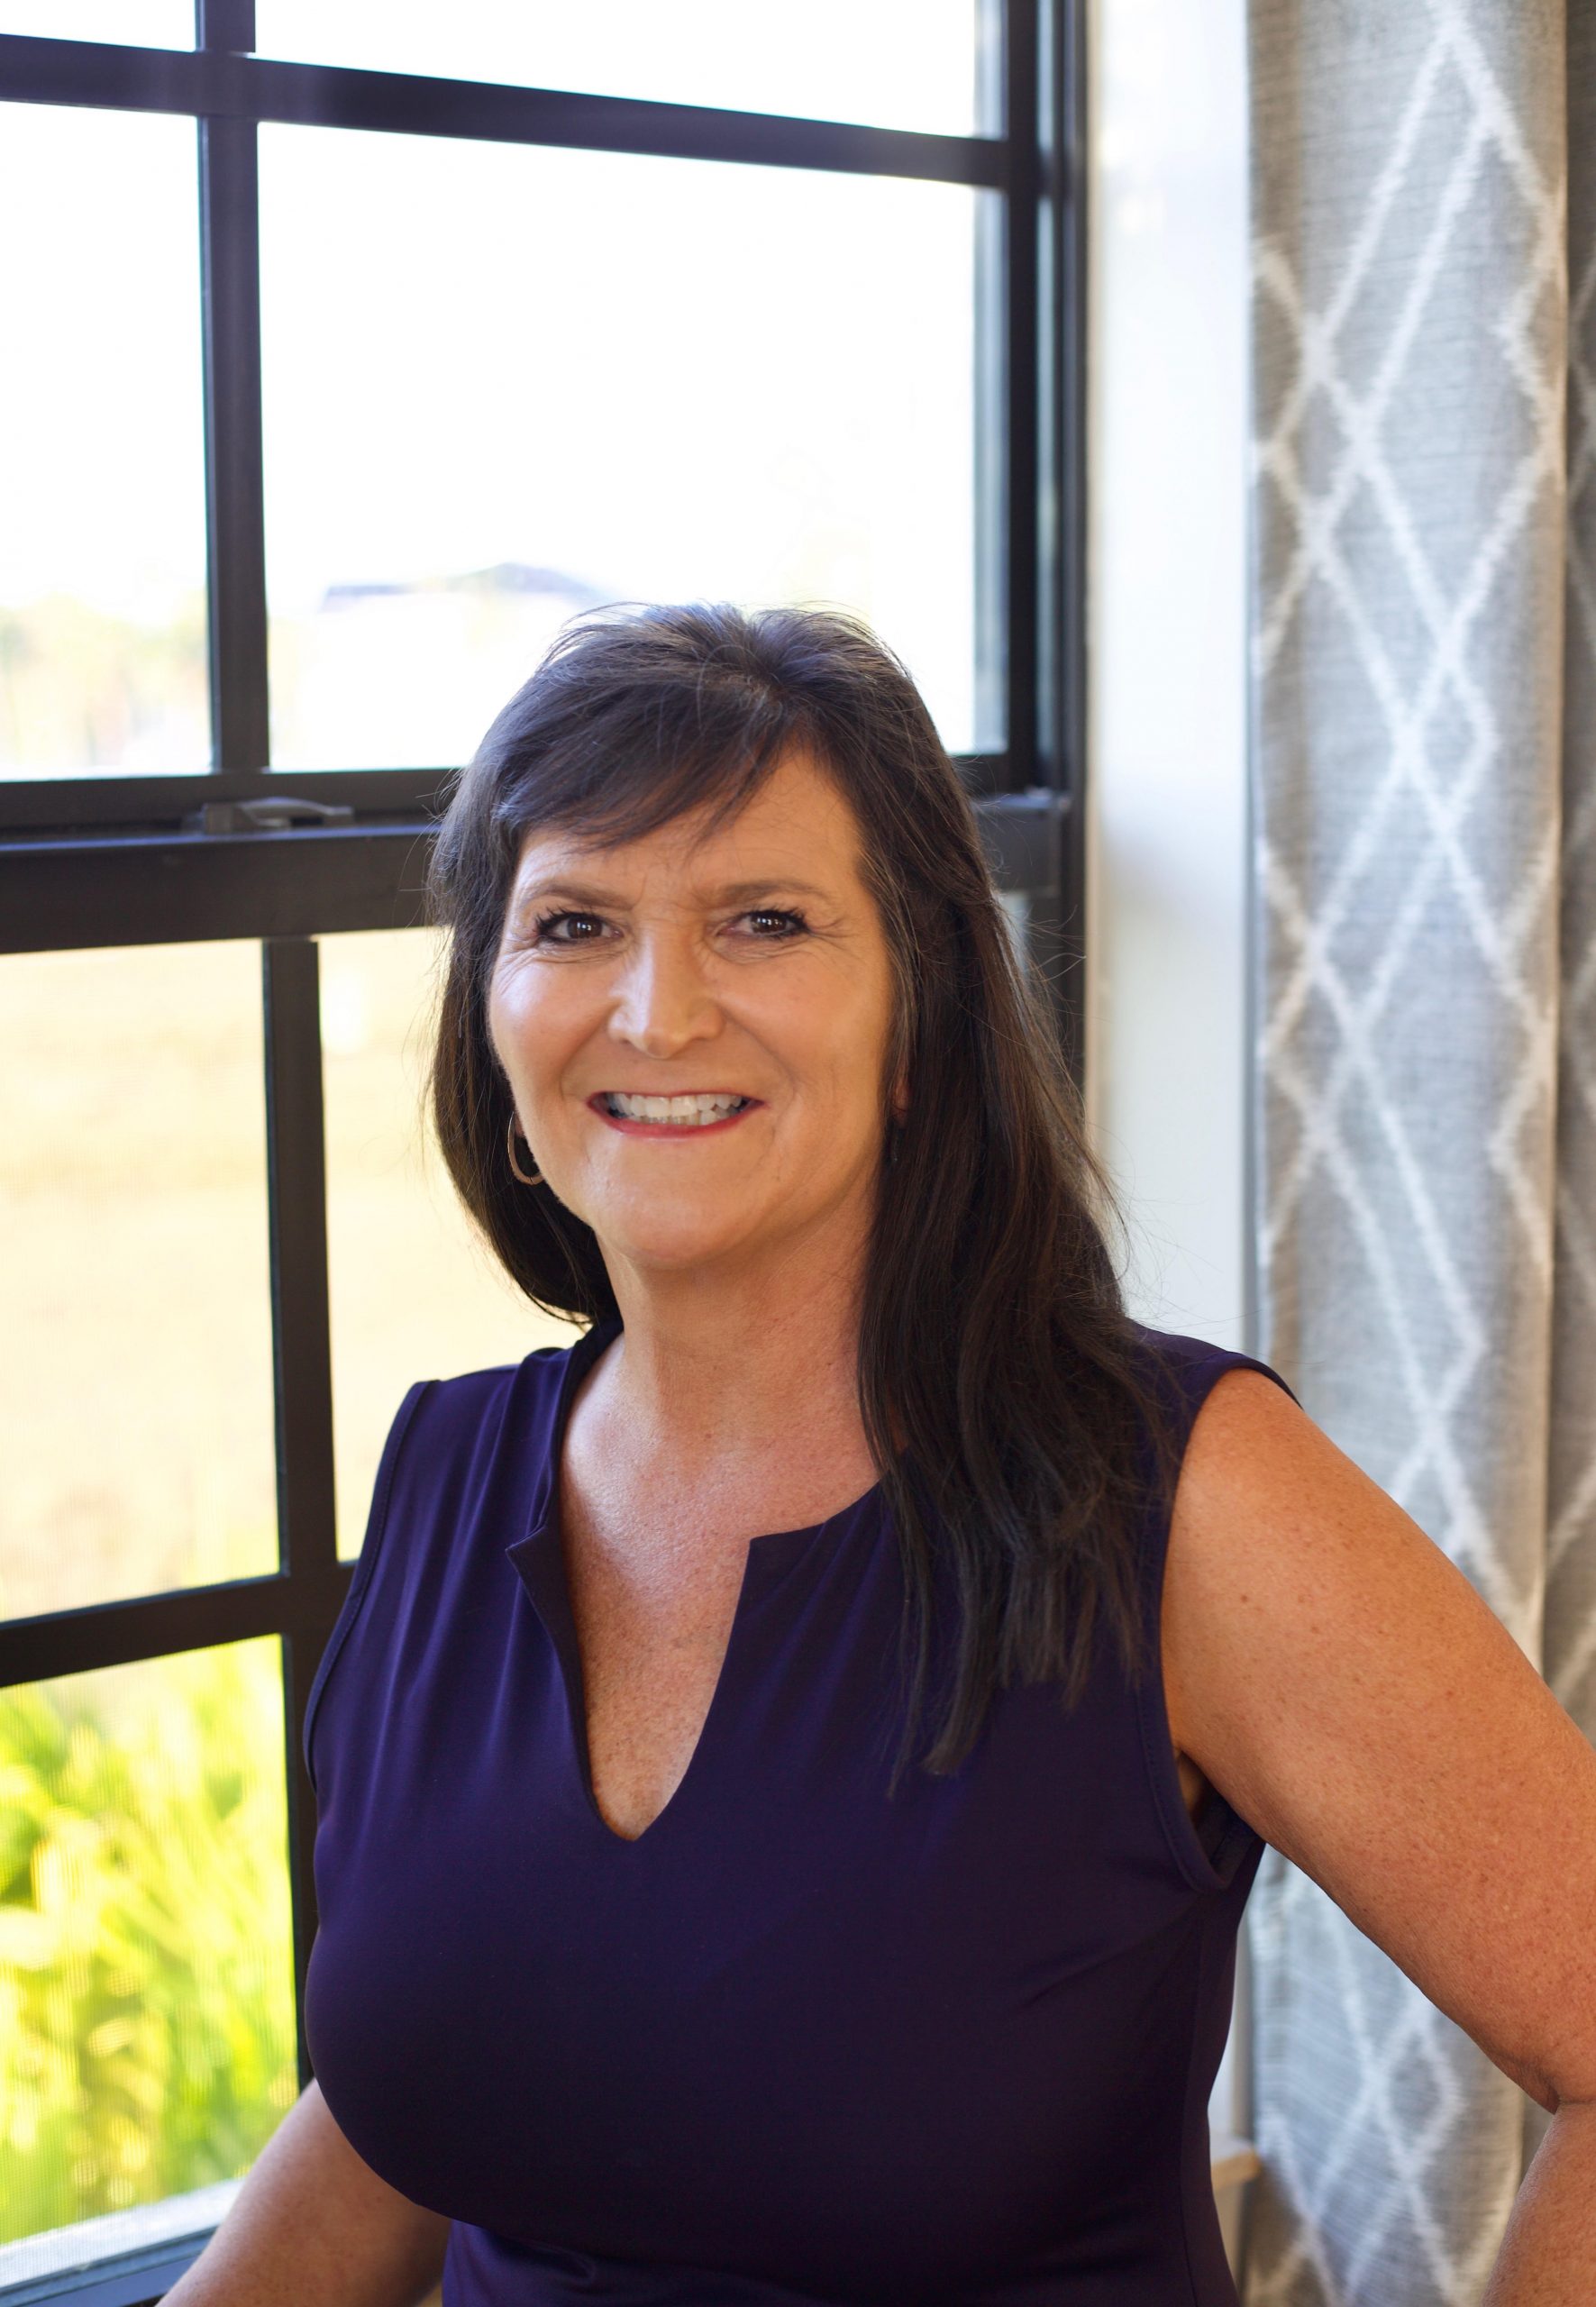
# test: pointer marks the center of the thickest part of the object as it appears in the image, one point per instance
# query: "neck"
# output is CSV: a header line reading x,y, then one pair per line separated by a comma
x,y
704,1375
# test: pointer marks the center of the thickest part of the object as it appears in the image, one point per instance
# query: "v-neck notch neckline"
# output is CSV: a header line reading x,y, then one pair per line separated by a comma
x,y
538,1559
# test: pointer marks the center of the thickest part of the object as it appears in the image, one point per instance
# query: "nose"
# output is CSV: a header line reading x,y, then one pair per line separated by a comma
x,y
662,1001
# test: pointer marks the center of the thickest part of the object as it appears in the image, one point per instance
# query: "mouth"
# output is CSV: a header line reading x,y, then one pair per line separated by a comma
x,y
688,1114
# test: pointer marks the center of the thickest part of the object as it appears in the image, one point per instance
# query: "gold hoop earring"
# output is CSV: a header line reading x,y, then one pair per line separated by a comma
x,y
536,1177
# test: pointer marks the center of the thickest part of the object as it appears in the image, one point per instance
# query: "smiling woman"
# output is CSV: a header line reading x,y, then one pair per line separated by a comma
x,y
646,1962
647,1969
681,994
607,871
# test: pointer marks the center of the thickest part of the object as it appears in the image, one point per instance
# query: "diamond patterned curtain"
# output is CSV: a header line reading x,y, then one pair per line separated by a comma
x,y
1424,766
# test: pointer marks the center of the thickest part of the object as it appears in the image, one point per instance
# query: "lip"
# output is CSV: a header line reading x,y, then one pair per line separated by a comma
x,y
676,1130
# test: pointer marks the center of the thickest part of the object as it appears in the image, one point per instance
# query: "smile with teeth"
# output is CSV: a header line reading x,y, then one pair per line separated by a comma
x,y
693,1111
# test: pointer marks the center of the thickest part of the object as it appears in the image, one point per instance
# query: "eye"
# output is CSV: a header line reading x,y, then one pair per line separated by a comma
x,y
793,924
546,923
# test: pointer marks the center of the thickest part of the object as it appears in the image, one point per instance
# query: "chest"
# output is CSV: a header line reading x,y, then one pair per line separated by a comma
x,y
653,1624
781,1995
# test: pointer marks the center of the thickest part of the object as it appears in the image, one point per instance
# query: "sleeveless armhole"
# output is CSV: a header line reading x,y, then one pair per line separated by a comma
x,y
365,1563
1208,1852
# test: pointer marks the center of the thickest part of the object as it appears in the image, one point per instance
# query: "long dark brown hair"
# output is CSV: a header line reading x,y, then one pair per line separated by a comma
x,y
994,1339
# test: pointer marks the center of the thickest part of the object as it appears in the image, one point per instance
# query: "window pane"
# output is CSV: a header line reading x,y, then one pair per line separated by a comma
x,y
135,1358
140,23
101,537
146,1966
503,384
893,63
415,1293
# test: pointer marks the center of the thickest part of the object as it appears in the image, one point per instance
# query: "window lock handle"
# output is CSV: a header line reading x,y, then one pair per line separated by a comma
x,y
271,815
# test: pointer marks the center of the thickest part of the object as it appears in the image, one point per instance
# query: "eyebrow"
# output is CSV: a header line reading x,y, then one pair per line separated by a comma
x,y
730,892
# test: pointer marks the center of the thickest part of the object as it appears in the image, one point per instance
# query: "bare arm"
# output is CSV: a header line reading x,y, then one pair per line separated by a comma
x,y
313,2226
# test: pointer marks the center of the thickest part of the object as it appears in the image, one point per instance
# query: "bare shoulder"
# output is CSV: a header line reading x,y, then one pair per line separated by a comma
x,y
1335,1675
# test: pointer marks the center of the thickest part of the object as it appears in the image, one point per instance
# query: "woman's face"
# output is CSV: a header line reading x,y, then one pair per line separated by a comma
x,y
749,965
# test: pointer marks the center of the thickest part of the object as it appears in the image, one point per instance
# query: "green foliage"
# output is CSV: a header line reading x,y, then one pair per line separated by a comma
x,y
147,2038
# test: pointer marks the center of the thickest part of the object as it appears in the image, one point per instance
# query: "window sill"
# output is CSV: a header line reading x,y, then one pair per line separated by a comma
x,y
122,2260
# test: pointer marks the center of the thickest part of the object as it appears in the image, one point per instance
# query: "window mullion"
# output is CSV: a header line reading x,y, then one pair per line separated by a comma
x,y
1021,380
235,521
297,1190
1044,70
1062,493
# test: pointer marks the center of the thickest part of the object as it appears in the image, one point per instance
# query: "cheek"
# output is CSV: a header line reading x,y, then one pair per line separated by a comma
x,y
871,1031
524,1023
493,1010
854,1055
505,1019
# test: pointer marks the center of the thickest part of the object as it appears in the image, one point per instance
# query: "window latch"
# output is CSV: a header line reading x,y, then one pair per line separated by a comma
x,y
269,815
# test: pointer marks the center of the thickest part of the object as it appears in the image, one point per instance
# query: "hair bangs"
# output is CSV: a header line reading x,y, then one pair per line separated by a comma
x,y
644,756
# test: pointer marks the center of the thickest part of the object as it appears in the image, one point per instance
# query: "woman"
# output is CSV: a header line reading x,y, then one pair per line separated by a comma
x,y
791,1767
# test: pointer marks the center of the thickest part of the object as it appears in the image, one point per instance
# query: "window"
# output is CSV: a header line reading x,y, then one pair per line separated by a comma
x,y
363,344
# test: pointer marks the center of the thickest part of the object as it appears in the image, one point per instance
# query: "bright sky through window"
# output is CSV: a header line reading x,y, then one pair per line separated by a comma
x,y
894,63
501,383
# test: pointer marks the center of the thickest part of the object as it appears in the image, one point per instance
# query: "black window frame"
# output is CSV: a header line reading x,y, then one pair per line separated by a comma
x,y
284,858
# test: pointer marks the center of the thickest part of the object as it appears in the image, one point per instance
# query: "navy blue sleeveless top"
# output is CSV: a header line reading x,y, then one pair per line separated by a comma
x,y
797,2042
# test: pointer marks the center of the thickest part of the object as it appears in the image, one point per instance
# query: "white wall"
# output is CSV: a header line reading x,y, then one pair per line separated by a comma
x,y
1167,622
1168,653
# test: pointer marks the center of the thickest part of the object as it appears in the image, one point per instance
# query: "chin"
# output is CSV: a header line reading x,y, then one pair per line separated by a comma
x,y
670,1241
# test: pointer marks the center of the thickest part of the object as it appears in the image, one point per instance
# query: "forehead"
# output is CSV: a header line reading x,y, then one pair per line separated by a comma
x,y
799,822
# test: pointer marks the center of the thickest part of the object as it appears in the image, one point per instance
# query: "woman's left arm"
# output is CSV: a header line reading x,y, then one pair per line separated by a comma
x,y
1549,2250
1337,1678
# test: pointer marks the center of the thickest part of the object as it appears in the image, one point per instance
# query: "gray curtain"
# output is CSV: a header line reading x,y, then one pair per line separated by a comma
x,y
1424,1123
